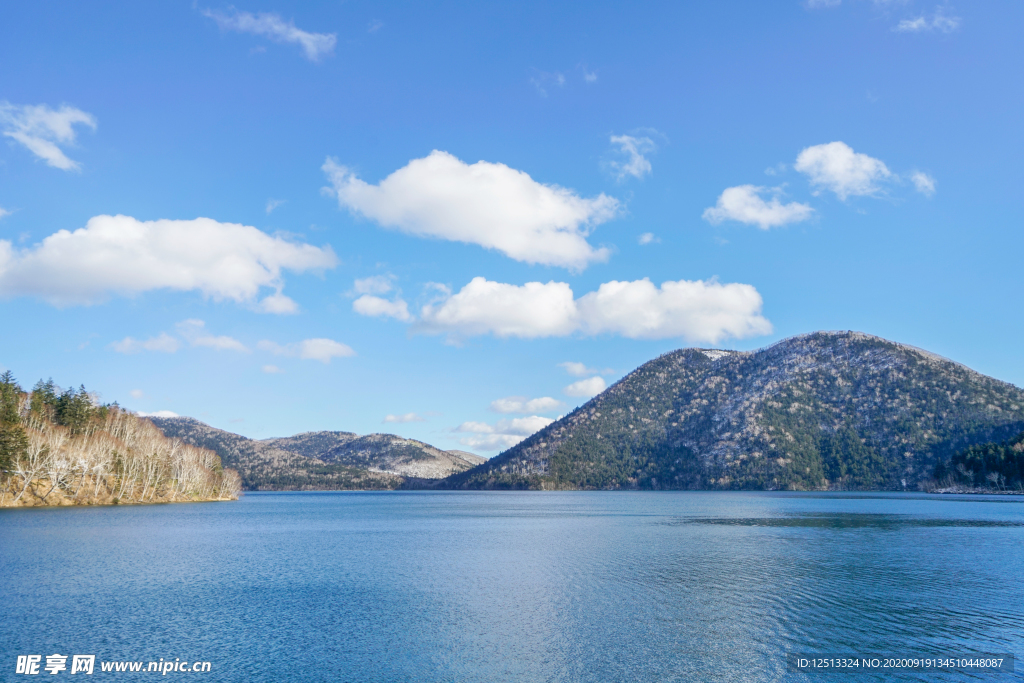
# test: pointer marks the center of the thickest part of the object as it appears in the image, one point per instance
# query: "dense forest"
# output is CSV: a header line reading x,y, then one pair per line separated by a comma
x,y
62,447
997,466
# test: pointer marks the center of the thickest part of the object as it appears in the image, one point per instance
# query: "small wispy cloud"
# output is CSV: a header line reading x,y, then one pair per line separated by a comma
x,y
374,26
522,404
272,26
939,21
647,238
923,183
43,130
544,81
745,204
407,417
322,350
163,343
634,150
273,204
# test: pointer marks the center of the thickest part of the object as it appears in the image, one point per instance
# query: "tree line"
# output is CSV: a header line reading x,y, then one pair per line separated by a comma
x,y
63,447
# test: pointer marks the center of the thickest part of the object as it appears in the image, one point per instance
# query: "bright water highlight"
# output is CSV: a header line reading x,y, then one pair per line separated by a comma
x,y
595,586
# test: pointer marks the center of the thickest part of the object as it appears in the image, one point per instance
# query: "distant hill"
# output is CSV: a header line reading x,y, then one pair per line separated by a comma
x,y
321,460
829,410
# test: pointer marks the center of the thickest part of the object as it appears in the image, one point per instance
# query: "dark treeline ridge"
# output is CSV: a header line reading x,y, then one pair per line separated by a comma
x,y
998,466
64,447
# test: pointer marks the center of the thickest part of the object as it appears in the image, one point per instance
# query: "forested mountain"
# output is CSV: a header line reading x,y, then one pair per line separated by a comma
x,y
321,460
61,447
829,410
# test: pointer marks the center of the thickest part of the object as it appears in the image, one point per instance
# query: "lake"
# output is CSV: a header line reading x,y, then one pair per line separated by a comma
x,y
517,586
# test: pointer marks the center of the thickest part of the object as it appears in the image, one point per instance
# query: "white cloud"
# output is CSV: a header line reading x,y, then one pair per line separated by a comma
x,y
836,167
586,388
481,307
923,183
164,343
522,404
647,238
158,413
578,369
137,393
544,80
408,417
376,284
43,130
194,331
4,212
273,204
271,25
375,306
278,304
272,369
590,76
501,435
744,204
698,311
123,255
814,4
939,22
636,164
322,350
487,204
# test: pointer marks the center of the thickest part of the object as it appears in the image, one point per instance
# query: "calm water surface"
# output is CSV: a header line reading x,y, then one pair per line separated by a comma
x,y
515,586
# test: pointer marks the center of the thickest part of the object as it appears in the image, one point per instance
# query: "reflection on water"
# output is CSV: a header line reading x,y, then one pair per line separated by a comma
x,y
516,586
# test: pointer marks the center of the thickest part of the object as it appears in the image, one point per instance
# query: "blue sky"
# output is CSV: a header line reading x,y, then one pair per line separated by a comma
x,y
469,217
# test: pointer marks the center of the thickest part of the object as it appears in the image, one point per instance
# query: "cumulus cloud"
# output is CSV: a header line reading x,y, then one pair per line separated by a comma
x,y
578,369
43,131
522,404
923,183
485,203
408,417
647,238
123,255
194,331
271,369
938,22
586,388
745,205
705,311
157,413
835,166
484,307
272,26
376,307
634,149
376,284
501,435
696,310
322,350
164,343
